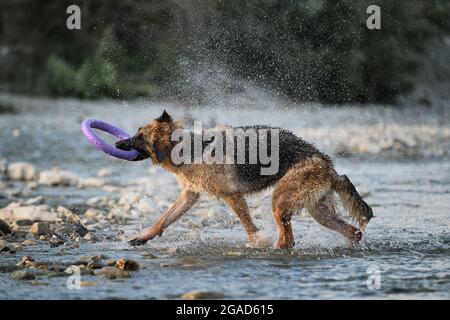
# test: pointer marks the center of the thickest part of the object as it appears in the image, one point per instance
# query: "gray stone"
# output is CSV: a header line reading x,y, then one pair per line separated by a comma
x,y
35,201
56,177
91,183
34,213
23,275
196,295
4,227
41,228
112,273
21,171
6,246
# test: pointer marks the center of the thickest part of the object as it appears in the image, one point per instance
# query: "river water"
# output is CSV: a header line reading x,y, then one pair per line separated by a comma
x,y
397,157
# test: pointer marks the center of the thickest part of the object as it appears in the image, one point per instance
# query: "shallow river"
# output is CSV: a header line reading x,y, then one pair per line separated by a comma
x,y
400,164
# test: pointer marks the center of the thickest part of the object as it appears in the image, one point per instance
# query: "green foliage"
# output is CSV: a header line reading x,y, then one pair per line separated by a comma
x,y
310,50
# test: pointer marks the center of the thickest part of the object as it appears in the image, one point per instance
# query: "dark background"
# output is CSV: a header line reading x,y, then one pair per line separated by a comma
x,y
316,50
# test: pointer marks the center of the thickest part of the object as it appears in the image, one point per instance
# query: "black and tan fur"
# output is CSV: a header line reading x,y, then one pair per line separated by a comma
x,y
306,179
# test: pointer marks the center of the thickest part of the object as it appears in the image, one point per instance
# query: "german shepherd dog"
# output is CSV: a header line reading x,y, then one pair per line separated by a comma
x,y
306,179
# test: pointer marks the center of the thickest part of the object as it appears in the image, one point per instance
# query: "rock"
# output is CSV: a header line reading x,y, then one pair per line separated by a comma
x,y
97,201
21,171
125,264
38,283
145,206
55,242
91,183
90,237
148,255
24,222
63,211
3,167
129,199
172,250
14,212
195,295
112,273
87,283
25,261
80,229
65,229
72,218
95,264
4,227
6,246
35,201
23,275
104,172
56,177
112,189
28,242
41,228
93,213
192,234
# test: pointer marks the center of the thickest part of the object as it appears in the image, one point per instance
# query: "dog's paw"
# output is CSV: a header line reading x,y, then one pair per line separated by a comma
x,y
358,236
259,240
355,239
138,241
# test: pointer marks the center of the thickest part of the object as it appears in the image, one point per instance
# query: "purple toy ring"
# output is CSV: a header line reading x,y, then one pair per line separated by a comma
x,y
90,124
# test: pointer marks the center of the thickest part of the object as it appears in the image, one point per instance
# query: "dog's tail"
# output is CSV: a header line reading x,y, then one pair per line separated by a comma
x,y
358,209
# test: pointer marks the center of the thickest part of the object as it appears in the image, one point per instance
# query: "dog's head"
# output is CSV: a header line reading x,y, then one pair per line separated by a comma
x,y
152,140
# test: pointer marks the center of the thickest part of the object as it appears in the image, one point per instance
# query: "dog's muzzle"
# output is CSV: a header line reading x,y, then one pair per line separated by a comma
x,y
128,145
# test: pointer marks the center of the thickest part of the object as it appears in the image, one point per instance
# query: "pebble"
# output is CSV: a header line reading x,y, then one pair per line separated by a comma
x,y
80,229
3,167
23,275
90,237
35,201
6,246
104,172
93,213
14,212
41,228
38,283
28,242
95,264
56,177
21,171
148,255
192,234
172,250
112,273
97,201
125,264
87,283
24,222
4,227
195,295
25,261
91,183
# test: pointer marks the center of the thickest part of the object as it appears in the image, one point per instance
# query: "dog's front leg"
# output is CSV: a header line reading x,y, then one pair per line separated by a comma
x,y
184,202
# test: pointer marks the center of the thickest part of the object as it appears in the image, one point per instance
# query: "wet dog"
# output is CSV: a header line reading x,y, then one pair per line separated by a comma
x,y
305,178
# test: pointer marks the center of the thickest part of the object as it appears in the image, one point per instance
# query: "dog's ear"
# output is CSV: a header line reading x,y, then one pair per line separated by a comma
x,y
165,117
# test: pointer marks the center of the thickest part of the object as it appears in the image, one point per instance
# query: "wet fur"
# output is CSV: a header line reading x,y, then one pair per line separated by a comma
x,y
306,179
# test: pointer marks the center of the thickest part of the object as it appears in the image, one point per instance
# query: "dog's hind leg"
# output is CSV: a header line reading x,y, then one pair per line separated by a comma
x,y
324,213
301,187
184,202
238,204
